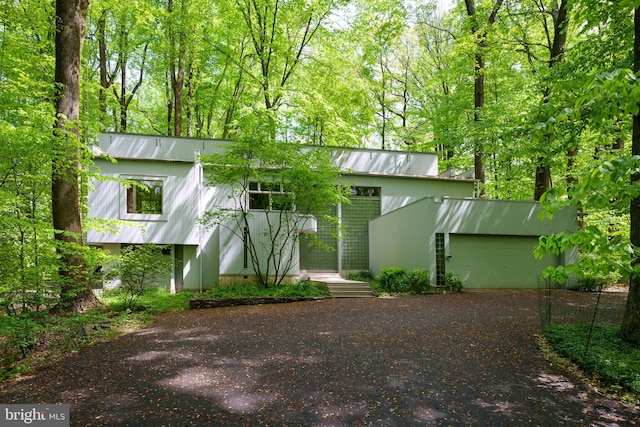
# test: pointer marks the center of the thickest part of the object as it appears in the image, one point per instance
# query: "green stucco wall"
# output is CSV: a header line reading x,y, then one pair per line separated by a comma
x,y
485,240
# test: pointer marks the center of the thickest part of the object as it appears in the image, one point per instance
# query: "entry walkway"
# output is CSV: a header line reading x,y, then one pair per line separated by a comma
x,y
467,359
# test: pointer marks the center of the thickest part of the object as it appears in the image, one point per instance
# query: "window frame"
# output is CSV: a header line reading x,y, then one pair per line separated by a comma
x,y
372,192
142,216
267,190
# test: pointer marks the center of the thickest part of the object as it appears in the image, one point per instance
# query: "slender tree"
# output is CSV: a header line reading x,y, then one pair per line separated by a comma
x,y
276,187
434,79
280,34
480,35
558,45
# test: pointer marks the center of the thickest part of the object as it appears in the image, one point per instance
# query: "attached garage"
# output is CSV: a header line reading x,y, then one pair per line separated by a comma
x,y
490,261
487,243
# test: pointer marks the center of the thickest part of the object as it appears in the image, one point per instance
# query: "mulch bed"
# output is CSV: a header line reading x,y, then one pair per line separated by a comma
x,y
198,303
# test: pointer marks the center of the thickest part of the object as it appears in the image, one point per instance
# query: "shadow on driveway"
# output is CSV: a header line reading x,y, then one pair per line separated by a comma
x,y
460,359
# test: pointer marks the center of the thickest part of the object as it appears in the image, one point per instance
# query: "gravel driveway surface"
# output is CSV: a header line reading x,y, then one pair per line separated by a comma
x,y
454,360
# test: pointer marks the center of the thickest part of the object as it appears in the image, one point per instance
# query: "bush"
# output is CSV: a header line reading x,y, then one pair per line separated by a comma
x,y
590,283
394,279
360,276
399,280
420,280
453,282
303,289
139,267
21,330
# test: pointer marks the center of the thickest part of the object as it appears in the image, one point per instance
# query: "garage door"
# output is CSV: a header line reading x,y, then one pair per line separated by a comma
x,y
484,261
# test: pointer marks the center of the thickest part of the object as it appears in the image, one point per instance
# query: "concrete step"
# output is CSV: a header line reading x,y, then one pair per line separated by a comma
x,y
342,288
324,276
351,294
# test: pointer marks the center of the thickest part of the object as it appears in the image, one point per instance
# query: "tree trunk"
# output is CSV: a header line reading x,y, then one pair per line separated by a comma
x,y
71,17
176,73
122,97
102,61
630,329
478,78
177,83
190,84
619,141
558,46
169,94
572,180
122,64
543,179
478,104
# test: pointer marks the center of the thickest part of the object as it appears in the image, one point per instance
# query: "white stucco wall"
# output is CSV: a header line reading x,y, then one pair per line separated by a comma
x,y
155,147
178,222
376,162
350,160
232,246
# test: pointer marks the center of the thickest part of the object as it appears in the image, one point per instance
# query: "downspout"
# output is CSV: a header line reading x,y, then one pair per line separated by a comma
x,y
339,251
196,155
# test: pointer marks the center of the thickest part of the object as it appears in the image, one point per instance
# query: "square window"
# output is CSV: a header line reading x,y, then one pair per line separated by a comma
x,y
142,198
259,201
145,197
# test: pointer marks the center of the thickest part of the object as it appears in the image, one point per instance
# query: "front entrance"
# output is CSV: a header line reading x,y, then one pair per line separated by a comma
x,y
318,258
354,247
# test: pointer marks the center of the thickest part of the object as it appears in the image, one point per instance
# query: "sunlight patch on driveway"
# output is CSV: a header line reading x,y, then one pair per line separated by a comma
x,y
556,382
235,388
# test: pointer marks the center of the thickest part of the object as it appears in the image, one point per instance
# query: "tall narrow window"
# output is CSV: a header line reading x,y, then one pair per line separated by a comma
x,y
245,254
440,257
145,197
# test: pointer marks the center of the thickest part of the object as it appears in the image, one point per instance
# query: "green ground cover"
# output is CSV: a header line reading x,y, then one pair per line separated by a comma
x,y
601,355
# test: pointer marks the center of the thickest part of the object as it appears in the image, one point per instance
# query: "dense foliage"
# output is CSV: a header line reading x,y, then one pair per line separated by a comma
x,y
559,91
399,280
27,340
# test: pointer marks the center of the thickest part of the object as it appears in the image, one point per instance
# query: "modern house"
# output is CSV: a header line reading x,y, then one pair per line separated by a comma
x,y
401,213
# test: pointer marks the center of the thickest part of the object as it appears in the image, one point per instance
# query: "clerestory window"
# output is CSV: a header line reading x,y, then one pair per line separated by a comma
x,y
270,196
365,192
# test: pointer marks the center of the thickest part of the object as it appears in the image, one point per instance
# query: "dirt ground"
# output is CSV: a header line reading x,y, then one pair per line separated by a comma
x,y
455,360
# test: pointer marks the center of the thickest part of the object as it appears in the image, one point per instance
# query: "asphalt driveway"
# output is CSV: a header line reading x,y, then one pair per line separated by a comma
x,y
460,359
